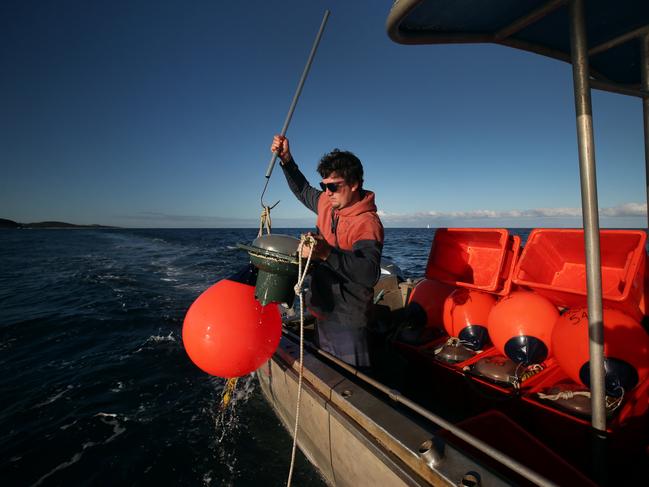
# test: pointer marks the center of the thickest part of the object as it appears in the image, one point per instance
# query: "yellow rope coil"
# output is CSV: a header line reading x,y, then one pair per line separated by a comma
x,y
265,221
228,392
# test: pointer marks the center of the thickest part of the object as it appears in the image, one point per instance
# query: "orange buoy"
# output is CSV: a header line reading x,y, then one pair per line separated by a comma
x,y
520,326
227,332
465,316
426,302
626,349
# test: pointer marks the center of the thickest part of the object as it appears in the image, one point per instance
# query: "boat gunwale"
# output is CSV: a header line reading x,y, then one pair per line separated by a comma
x,y
408,460
396,396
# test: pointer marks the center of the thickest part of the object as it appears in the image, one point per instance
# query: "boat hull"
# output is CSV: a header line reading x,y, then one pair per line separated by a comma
x,y
354,437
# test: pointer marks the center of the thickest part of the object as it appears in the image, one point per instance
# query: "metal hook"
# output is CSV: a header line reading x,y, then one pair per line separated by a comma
x,y
262,197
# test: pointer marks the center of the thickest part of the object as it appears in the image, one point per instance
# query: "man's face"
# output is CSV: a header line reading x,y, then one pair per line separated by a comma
x,y
344,195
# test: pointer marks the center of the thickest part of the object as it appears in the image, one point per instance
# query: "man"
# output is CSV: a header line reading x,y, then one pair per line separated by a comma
x,y
348,250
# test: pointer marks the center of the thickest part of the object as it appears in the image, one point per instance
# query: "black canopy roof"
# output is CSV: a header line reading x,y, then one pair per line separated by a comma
x,y
539,26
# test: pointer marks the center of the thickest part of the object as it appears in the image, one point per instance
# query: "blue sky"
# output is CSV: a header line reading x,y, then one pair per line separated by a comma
x,y
160,114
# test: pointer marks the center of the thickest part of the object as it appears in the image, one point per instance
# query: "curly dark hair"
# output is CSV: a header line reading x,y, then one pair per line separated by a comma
x,y
343,163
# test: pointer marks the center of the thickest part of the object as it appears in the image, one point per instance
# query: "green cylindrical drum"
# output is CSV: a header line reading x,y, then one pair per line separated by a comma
x,y
276,258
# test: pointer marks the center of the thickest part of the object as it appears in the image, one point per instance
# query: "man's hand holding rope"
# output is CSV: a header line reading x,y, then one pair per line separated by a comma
x,y
321,249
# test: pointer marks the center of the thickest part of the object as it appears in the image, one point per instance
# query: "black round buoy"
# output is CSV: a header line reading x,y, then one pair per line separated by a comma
x,y
275,256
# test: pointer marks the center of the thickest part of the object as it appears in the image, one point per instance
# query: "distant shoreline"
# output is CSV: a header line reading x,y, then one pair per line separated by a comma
x,y
6,224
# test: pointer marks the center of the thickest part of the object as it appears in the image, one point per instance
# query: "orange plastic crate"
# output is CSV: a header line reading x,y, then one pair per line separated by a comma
x,y
511,259
553,264
475,258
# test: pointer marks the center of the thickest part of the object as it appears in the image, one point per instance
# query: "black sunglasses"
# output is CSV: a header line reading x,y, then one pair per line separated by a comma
x,y
333,187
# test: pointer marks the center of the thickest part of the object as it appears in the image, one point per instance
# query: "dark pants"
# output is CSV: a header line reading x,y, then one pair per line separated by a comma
x,y
344,341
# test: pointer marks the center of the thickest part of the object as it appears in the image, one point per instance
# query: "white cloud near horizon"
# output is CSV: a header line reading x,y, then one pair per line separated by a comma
x,y
624,210
627,215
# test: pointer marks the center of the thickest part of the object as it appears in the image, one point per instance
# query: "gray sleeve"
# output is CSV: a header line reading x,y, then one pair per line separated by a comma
x,y
361,265
304,192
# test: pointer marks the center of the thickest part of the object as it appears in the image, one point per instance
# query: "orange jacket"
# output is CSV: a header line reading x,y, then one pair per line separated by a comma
x,y
342,228
342,285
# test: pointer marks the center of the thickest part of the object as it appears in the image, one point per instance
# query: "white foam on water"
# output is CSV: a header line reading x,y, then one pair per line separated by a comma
x,y
66,426
162,338
226,420
55,397
195,288
170,338
207,478
245,391
118,429
75,458
60,363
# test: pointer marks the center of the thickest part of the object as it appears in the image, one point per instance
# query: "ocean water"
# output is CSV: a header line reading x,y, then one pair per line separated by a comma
x,y
96,388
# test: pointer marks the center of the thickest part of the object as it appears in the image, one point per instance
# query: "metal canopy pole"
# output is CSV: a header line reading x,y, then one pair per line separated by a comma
x,y
298,91
644,71
580,73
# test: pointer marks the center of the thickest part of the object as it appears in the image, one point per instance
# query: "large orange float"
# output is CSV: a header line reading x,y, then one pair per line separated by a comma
x,y
465,316
426,303
626,349
520,326
227,332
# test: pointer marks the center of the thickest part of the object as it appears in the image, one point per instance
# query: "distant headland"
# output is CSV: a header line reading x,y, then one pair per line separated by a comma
x,y
8,224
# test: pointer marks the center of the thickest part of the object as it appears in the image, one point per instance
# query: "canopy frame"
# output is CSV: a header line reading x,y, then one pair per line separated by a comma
x,y
584,79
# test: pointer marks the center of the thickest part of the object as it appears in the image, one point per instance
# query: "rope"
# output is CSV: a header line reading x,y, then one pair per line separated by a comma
x,y
563,395
451,342
309,242
228,391
265,221
612,403
531,371
455,342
